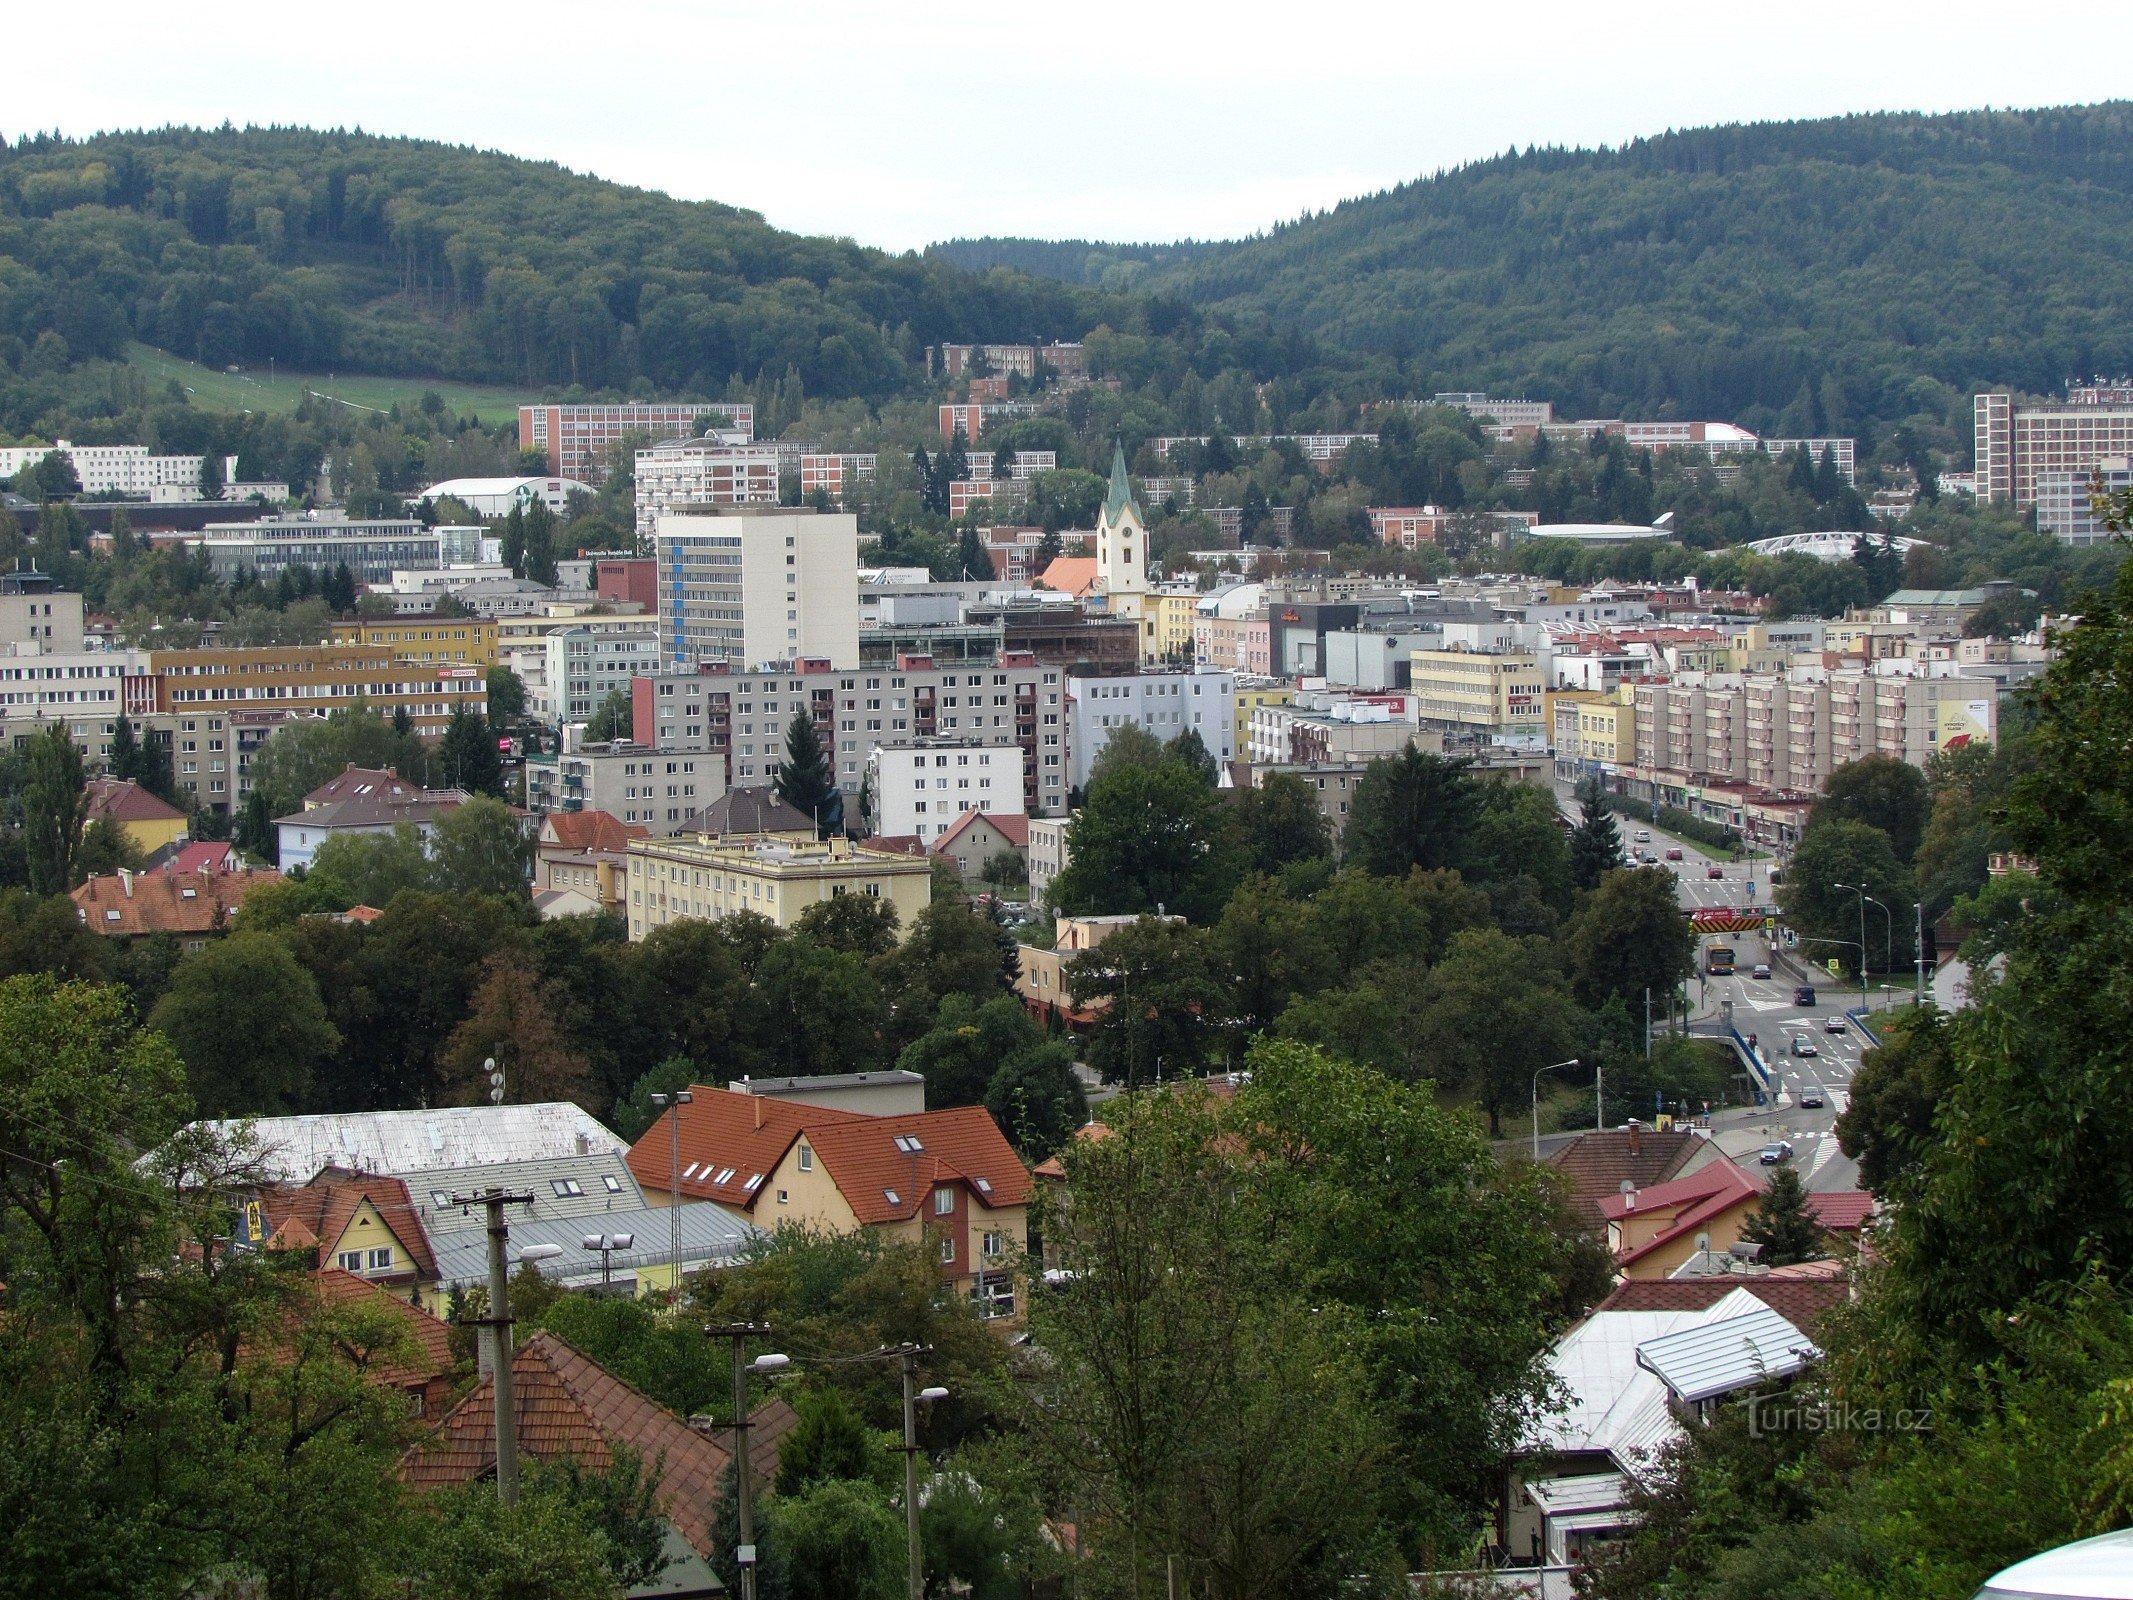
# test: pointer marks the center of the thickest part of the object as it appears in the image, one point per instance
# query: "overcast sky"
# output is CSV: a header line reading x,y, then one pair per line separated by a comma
x,y
898,125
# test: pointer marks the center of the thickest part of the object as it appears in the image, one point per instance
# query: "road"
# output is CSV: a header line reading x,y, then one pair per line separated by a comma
x,y
1764,1011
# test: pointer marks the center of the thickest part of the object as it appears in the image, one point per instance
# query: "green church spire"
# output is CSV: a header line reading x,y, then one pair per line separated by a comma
x,y
1121,495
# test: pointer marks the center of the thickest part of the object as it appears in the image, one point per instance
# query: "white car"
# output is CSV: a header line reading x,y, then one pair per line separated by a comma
x,y
2093,1569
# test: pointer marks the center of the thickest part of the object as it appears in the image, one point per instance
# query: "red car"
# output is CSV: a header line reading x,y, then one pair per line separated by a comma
x,y
1714,872
1673,855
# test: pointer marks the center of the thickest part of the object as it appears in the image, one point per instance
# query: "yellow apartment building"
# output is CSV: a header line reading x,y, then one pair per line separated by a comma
x,y
317,679
425,638
1503,692
683,878
1250,700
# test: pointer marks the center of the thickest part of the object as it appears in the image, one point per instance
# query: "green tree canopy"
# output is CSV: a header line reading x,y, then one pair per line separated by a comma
x,y
249,1024
1883,793
1410,810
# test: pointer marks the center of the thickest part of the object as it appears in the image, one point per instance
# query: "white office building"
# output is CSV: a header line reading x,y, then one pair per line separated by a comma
x,y
372,548
693,474
1165,704
748,586
920,789
499,497
586,663
126,469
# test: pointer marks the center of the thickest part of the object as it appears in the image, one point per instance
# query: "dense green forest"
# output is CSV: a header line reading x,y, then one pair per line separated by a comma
x,y
1799,278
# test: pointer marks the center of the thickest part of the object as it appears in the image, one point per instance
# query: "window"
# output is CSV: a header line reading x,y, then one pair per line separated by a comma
x,y
725,1175
349,1260
908,1144
613,1184
566,1188
892,1197
947,1250
381,1260
807,1159
781,1197
995,1243
943,1202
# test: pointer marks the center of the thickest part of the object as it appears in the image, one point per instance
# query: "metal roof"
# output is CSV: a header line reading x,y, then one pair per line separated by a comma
x,y
1611,1404
828,1080
1739,1343
709,1233
403,1143
2093,1569
602,1182
1595,1491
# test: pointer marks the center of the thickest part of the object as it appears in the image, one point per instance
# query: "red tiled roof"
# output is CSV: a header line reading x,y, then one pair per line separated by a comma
x,y
375,783
741,1135
569,1405
123,800
1014,829
166,902
431,1338
1052,1167
1798,1300
882,1183
1841,1210
1598,1164
1703,1195
204,855
903,844
329,1201
1075,575
583,832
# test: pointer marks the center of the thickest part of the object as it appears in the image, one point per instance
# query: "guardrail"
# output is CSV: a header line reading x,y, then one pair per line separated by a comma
x,y
1859,1015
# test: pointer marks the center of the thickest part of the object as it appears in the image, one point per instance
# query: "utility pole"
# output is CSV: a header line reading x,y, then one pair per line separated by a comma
x,y
913,1397
743,1486
673,1104
498,1324
1920,963
1647,1023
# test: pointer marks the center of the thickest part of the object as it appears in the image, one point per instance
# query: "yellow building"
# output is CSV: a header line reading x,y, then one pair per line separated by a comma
x,y
1250,700
704,878
1167,617
1594,726
319,678
1504,692
148,822
425,638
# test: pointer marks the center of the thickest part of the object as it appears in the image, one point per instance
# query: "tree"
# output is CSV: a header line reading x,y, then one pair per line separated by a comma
x,y
1595,846
106,847
1036,1099
1279,821
1410,810
125,758
1887,1127
1837,852
1630,938
951,949
44,933
857,924
369,869
1147,837
248,1021
1189,749
829,1442
482,848
547,1546
612,719
835,1540
54,803
507,696
1496,1011
832,1010
1162,998
467,757
805,781
1883,793
1126,745
1782,1224
969,1040
512,1019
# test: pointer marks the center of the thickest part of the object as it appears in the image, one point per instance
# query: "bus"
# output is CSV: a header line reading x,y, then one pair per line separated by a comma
x,y
1718,960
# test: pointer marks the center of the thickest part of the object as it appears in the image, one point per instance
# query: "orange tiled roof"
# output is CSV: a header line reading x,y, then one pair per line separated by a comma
x,y
1074,575
371,783
582,832
432,1340
740,1136
569,1405
884,1183
1014,829
1598,1164
123,800
1052,1167
165,902
1704,1195
329,1201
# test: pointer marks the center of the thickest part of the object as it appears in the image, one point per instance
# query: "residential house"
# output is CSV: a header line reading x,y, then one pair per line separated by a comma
x,y
361,800
1599,1163
582,855
426,1376
976,837
571,1408
192,906
1043,985
364,1223
149,822
1654,1232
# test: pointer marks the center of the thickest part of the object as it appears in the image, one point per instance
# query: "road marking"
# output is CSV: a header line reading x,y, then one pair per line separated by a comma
x,y
1828,1152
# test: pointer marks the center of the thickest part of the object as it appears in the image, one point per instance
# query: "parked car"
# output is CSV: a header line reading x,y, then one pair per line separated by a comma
x,y
1803,996
1714,871
1673,855
1833,1023
1775,1151
1761,970
1804,1046
2093,1569
1812,1100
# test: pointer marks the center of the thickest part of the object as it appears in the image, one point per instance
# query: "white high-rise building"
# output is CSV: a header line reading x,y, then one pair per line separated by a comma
x,y
692,474
919,789
745,585
1165,704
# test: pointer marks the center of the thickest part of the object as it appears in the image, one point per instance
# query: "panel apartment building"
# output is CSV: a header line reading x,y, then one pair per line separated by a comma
x,y
690,474
746,586
316,679
579,440
742,716
2019,442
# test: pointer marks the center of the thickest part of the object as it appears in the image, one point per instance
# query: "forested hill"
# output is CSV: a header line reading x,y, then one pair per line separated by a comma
x,y
1813,268
341,250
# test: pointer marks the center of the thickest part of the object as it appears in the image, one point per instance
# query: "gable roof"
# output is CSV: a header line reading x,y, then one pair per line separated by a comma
x,y
205,855
1074,575
407,1142
1011,827
126,903
1840,1210
589,832
1708,1193
1599,1163
571,1406
601,1179
884,1182
432,1340
730,1143
383,783
754,810
123,800
377,810
1798,1300
329,1202
1740,1342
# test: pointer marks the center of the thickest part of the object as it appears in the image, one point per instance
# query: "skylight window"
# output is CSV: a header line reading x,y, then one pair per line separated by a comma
x,y
566,1188
689,1171
725,1175
892,1197
614,1184
440,1199
983,1186
753,1183
908,1144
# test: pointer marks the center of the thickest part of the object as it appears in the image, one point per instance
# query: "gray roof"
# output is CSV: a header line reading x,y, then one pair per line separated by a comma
x,y
825,1080
754,810
401,1143
709,1233
603,1181
1742,1344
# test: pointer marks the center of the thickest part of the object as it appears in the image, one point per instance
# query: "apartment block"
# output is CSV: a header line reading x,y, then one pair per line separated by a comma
x,y
121,469
1328,729
35,616
701,878
420,637
754,586
579,440
1510,413
691,474
1412,527
656,790
2066,499
1489,695
316,679
1006,496
2017,442
837,476
919,790
585,665
1165,704
743,716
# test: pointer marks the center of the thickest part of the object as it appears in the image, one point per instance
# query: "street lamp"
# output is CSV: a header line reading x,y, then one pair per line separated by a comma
x,y
1861,893
743,1487
1553,1067
675,1101
914,1397
1888,931
607,1244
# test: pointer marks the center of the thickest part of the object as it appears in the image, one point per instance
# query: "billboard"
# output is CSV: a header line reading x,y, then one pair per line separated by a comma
x,y
1960,722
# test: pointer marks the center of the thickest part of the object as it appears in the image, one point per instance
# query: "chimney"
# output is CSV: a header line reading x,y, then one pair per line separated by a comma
x,y
1635,1131
126,881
